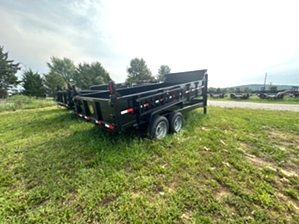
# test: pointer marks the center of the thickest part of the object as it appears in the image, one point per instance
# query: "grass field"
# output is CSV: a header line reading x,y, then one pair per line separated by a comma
x,y
229,166
18,102
256,99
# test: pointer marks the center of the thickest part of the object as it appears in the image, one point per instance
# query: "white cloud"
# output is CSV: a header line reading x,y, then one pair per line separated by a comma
x,y
236,41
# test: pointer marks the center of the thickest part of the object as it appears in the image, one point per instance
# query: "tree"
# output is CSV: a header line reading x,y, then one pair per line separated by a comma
x,y
51,81
162,71
87,75
33,84
8,70
138,71
247,90
212,90
224,90
273,88
63,67
231,90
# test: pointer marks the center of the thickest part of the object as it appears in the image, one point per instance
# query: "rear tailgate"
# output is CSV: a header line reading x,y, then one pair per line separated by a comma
x,y
97,110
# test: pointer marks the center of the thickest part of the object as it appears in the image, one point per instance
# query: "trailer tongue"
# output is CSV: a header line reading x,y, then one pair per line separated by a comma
x,y
157,106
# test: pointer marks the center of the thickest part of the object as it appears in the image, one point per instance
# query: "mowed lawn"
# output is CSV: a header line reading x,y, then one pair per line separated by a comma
x,y
229,166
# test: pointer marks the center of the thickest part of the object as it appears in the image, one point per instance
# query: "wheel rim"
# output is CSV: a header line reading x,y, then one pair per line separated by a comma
x,y
177,124
161,130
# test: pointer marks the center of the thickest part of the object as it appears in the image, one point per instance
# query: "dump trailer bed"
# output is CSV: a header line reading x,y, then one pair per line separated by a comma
x,y
65,97
118,109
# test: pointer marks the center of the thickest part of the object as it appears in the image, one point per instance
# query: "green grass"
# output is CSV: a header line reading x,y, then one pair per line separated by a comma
x,y
229,166
256,99
18,102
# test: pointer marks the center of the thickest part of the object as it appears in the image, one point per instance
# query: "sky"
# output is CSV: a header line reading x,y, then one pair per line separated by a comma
x,y
237,41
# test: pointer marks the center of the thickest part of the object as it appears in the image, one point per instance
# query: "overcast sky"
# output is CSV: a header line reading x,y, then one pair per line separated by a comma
x,y
237,41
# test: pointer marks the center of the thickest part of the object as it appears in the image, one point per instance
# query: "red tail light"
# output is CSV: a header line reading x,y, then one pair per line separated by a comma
x,y
111,87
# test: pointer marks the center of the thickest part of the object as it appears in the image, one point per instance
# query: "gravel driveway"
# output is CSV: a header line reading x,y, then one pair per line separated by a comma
x,y
262,106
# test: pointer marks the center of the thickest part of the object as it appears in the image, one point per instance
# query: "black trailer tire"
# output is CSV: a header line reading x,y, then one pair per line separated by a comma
x,y
158,128
176,122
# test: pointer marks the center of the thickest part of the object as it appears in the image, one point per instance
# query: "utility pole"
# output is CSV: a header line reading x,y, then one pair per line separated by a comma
x,y
265,81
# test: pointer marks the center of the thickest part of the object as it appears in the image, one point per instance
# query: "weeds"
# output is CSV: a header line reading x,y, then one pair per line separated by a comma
x,y
18,102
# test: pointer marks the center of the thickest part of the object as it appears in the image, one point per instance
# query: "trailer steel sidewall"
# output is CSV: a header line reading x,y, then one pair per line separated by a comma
x,y
175,122
159,127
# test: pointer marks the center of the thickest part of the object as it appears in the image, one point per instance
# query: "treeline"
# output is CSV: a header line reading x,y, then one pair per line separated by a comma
x,y
64,71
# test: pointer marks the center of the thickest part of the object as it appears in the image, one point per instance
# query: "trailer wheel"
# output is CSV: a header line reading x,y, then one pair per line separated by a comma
x,y
176,121
158,128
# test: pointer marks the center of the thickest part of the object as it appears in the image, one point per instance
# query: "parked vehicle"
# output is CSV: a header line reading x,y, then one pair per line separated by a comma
x,y
239,95
158,107
273,96
218,95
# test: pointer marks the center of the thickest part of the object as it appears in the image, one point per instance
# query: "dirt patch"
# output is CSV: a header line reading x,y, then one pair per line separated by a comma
x,y
278,135
286,139
71,199
109,198
287,200
262,163
186,215
172,187
135,195
258,161
281,181
245,147
204,128
221,194
289,173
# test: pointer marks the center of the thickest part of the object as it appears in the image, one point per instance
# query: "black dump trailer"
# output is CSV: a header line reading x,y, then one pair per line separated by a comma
x,y
65,97
157,107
